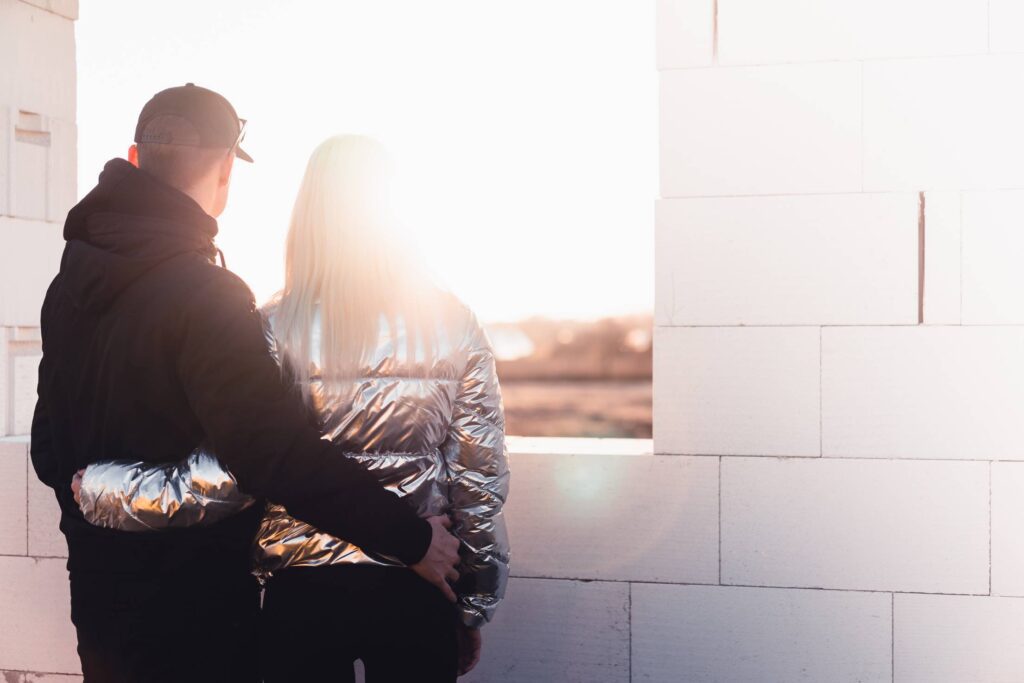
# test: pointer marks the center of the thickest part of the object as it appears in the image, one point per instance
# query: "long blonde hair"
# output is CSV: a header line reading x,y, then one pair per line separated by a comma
x,y
344,258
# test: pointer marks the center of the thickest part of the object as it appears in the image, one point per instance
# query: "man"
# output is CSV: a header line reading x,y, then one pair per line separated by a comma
x,y
149,349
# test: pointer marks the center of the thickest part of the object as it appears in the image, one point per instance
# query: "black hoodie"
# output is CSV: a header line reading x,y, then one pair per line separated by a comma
x,y
149,349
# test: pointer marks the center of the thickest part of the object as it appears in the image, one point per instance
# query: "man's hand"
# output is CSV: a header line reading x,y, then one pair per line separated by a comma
x,y
470,644
76,485
438,565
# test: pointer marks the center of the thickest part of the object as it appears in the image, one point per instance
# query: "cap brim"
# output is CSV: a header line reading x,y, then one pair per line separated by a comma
x,y
242,154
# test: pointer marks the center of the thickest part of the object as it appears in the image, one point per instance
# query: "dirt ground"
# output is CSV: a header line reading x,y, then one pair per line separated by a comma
x,y
571,408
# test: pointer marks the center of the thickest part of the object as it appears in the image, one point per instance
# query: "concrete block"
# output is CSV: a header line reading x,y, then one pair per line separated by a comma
x,y
41,637
794,260
883,525
736,391
805,138
942,258
44,536
993,238
26,381
955,639
6,139
706,634
574,516
6,391
685,33
37,49
26,271
758,32
1008,528
13,498
933,124
30,162
923,392
65,8
62,193
1006,25
563,631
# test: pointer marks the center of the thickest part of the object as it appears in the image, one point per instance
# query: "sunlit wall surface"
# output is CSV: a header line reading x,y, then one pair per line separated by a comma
x,y
839,286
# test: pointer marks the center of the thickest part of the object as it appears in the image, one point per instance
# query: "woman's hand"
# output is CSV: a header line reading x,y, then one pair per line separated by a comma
x,y
470,644
76,485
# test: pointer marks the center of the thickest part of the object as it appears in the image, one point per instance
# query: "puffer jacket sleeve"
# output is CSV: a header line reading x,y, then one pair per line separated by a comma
x,y
139,496
477,462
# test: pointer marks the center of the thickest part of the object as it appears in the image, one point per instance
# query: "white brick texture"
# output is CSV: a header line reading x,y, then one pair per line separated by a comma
x,y
942,258
713,634
923,392
736,391
564,631
1006,25
44,536
879,525
26,272
804,139
955,639
993,239
65,8
809,260
942,124
685,33
759,32
1008,528
40,636
37,49
578,519
13,498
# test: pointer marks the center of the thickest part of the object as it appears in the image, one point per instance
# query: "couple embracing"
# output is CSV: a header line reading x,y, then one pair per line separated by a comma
x,y
265,495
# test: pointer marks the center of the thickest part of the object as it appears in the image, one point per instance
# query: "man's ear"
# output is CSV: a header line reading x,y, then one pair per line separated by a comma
x,y
133,155
225,168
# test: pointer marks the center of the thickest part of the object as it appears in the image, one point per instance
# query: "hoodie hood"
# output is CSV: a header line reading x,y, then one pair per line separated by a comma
x,y
127,225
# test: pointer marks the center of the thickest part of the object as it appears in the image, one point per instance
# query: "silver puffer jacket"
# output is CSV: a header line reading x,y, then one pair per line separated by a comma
x,y
434,435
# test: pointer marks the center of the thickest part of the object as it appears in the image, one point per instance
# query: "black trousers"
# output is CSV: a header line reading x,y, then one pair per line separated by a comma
x,y
171,628
318,620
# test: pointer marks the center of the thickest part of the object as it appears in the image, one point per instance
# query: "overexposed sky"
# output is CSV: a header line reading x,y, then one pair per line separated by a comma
x,y
525,133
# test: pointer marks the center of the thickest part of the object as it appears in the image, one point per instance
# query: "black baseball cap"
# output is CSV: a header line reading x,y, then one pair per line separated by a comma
x,y
210,120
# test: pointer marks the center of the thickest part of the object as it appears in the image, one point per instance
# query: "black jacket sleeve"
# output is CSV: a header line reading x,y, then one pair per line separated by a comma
x,y
42,454
260,430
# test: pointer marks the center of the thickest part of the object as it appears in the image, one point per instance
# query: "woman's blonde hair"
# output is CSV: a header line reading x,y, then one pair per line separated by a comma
x,y
345,261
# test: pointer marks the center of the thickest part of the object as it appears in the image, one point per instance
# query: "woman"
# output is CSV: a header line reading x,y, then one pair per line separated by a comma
x,y
402,375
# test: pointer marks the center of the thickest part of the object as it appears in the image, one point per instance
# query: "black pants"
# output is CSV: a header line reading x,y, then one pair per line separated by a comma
x,y
318,620
172,628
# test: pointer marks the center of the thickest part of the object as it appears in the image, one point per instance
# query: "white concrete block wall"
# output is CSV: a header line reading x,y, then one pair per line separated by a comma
x,y
955,639
559,631
827,260
993,281
758,32
704,634
737,390
943,248
942,123
13,498
949,392
38,168
838,285
563,527
883,525
806,136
